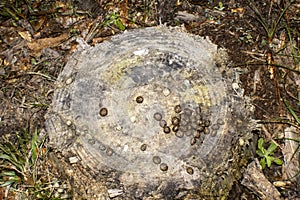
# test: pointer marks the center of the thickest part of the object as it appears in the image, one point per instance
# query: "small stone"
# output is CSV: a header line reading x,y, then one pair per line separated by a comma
x,y
56,185
163,167
143,147
190,170
103,112
156,160
166,92
69,81
139,99
60,190
241,142
69,123
157,116
73,159
64,196
132,119
280,183
114,192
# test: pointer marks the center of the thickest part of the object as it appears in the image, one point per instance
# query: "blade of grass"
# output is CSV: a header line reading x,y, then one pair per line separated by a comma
x,y
291,110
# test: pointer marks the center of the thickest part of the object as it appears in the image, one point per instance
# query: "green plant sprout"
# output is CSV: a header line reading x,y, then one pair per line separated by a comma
x,y
17,163
114,19
19,167
266,154
220,6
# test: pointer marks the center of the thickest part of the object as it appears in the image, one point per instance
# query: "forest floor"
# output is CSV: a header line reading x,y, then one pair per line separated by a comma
x,y
37,37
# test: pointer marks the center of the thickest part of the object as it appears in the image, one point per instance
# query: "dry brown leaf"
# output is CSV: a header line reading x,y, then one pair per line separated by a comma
x,y
40,44
240,11
25,35
291,164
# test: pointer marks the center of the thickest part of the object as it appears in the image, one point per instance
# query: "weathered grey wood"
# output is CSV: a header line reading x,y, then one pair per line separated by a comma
x,y
109,101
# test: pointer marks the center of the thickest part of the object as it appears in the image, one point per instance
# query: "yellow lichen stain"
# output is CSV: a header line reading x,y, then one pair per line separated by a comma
x,y
199,94
116,71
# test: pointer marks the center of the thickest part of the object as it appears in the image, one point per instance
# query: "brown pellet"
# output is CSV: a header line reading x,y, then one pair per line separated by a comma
x,y
175,120
167,129
156,160
177,108
193,141
214,133
179,134
139,99
109,152
206,130
162,123
143,147
201,128
163,167
103,112
157,116
207,123
175,128
190,170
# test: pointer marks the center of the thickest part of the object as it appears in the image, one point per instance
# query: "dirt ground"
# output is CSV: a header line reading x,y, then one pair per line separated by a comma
x,y
262,39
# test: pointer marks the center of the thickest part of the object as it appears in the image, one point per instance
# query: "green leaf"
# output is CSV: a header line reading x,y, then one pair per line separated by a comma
x,y
259,153
291,110
12,161
260,144
6,183
269,161
263,163
271,148
278,161
120,25
8,173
